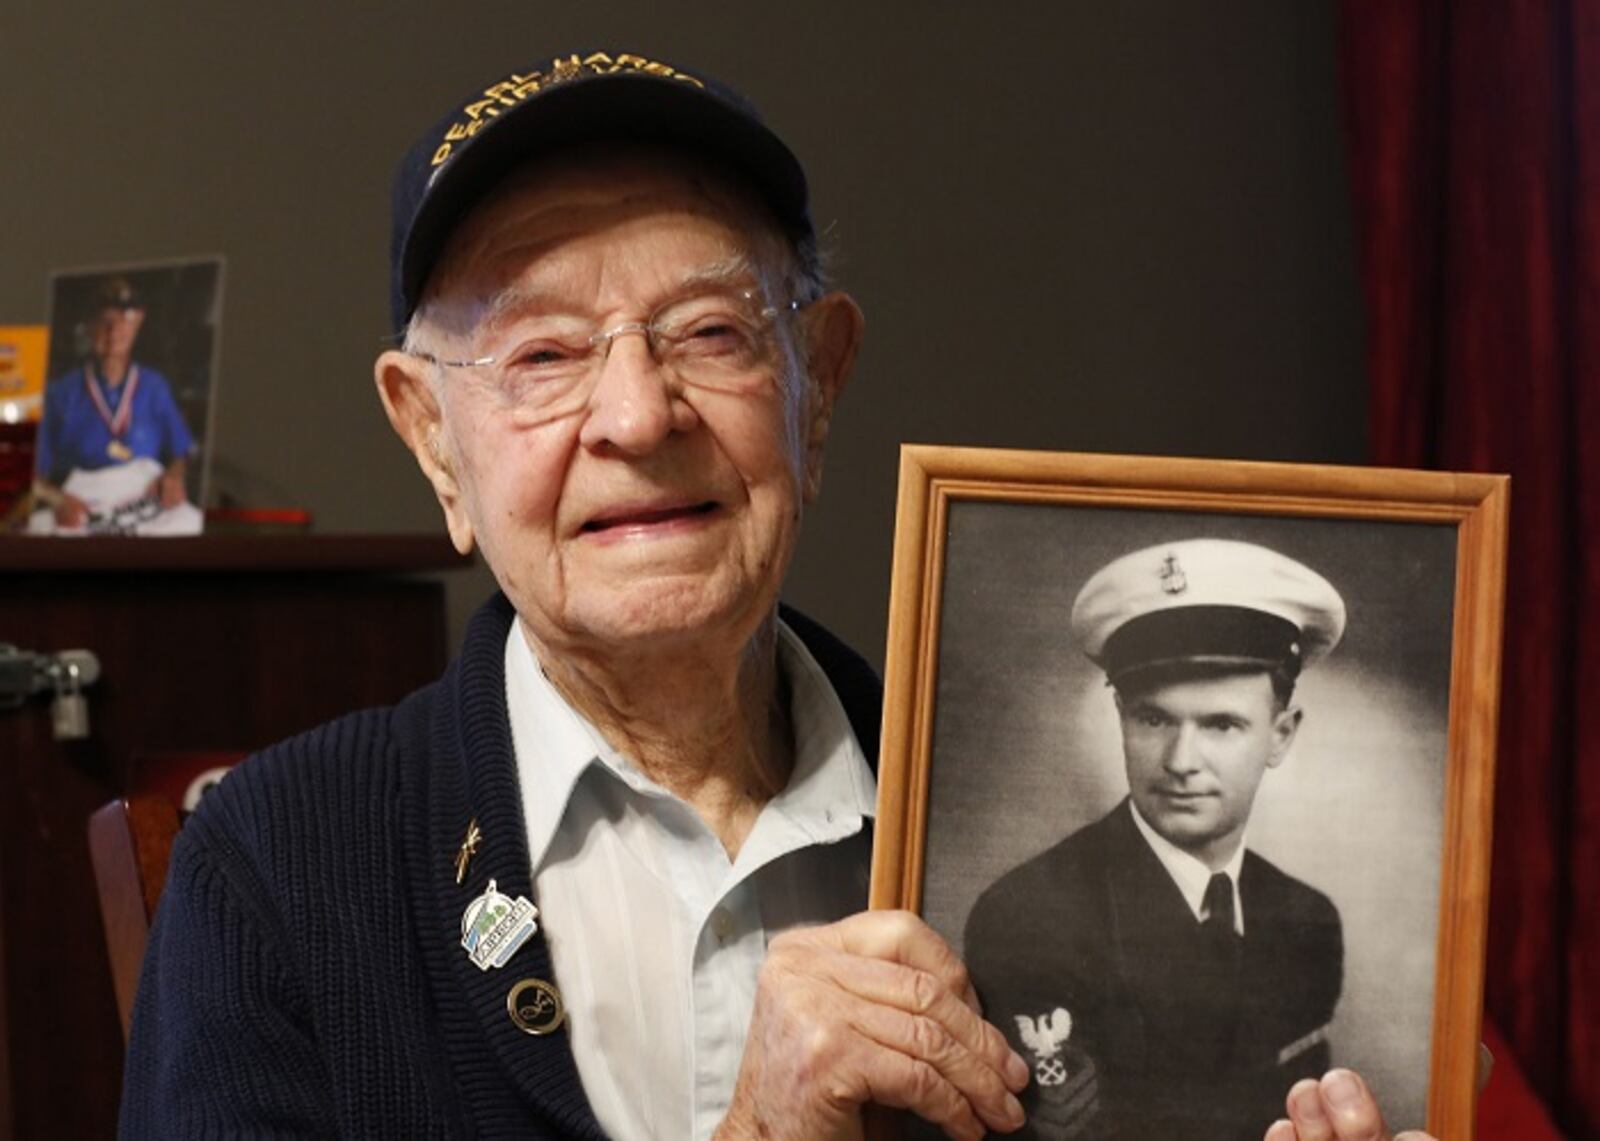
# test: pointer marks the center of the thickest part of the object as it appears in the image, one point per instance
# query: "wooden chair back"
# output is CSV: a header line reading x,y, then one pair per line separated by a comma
x,y
130,842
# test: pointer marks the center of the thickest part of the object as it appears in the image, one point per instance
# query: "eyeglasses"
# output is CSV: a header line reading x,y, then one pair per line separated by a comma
x,y
548,369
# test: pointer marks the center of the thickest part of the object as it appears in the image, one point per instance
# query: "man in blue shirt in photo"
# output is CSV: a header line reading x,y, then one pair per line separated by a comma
x,y
112,434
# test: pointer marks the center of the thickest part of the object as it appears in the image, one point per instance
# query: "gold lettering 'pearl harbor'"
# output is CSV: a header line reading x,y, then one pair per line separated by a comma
x,y
516,87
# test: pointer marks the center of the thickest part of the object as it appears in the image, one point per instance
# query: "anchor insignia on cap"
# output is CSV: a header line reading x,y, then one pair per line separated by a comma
x,y
1173,580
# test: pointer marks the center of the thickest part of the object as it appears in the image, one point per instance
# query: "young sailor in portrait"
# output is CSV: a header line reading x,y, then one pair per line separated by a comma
x,y
1152,955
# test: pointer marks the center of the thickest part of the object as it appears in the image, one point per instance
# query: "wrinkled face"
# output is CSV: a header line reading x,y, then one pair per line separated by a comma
x,y
113,331
1196,751
650,508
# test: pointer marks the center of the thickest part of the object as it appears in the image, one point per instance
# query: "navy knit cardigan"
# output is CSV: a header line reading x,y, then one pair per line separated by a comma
x,y
305,975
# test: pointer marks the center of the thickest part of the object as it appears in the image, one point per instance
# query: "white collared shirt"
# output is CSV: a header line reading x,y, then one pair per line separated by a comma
x,y
656,938
1190,874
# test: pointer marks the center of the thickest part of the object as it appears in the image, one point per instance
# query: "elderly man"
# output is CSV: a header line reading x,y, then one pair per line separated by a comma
x,y
1164,979
604,877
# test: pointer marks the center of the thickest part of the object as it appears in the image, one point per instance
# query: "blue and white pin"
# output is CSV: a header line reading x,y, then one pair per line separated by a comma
x,y
495,925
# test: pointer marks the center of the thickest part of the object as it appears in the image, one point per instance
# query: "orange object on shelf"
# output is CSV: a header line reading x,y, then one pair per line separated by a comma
x,y
22,363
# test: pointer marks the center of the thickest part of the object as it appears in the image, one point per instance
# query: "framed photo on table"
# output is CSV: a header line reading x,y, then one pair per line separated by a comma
x,y
124,443
1192,762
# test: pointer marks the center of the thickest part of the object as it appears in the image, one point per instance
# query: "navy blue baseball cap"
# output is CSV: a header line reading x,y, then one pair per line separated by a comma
x,y
568,100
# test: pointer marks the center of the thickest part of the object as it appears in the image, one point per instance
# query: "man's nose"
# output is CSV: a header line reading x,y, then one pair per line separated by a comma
x,y
1183,751
636,403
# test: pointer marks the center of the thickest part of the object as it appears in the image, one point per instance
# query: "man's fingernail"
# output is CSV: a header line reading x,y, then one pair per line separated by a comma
x,y
1014,1112
1308,1104
1342,1089
1017,1071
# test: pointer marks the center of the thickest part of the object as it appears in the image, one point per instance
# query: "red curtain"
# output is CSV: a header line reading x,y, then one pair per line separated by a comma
x,y
1474,149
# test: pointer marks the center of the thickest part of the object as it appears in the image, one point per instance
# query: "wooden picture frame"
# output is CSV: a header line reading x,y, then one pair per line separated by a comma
x,y
990,548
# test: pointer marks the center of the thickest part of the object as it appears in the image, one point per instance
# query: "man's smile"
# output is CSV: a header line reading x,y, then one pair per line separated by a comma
x,y
647,519
1184,798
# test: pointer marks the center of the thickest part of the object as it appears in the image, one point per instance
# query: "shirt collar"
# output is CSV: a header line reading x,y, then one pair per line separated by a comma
x,y
553,745
831,789
830,792
1190,874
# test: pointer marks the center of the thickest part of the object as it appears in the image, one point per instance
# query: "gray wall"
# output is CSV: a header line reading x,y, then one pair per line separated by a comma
x,y
1114,227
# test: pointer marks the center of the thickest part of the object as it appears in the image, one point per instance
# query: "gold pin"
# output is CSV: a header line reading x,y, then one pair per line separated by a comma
x,y
536,1008
469,848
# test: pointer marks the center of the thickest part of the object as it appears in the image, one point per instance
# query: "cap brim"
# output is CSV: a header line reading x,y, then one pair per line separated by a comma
x,y
1205,635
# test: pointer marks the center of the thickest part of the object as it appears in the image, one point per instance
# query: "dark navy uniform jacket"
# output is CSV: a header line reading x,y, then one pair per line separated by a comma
x,y
1089,959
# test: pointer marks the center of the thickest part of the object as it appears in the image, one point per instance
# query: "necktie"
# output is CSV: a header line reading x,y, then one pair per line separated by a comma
x,y
1217,975
1218,908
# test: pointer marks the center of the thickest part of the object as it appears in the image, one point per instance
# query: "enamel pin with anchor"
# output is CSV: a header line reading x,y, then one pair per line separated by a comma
x,y
495,925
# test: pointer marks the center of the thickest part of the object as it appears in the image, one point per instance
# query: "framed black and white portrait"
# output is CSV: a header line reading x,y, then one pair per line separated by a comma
x,y
1191,761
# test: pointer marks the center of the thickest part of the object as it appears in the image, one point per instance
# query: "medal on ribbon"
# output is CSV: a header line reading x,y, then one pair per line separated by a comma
x,y
118,422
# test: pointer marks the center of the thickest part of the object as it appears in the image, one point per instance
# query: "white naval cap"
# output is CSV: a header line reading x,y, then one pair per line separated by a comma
x,y
1206,600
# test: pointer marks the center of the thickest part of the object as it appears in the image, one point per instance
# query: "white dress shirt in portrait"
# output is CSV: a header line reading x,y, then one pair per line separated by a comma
x,y
1190,874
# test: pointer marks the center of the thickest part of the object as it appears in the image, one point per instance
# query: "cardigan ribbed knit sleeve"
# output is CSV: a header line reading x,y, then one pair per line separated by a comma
x,y
281,994
221,1045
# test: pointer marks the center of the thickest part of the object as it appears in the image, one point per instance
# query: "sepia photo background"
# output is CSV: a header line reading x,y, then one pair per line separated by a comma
x,y
1026,747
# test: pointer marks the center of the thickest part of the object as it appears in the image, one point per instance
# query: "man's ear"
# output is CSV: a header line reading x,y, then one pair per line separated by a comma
x,y
1285,724
833,330
413,410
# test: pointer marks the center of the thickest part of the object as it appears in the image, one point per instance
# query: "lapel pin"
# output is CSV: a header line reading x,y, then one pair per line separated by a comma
x,y
469,848
494,925
536,1007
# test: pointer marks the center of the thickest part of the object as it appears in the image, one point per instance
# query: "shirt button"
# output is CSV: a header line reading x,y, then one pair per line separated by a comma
x,y
721,924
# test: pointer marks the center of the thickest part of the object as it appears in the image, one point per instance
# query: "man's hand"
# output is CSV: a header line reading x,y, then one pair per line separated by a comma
x,y
168,488
1338,1108
70,511
874,1008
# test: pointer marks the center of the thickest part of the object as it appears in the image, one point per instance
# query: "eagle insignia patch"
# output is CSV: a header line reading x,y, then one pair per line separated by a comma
x,y
1045,1037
